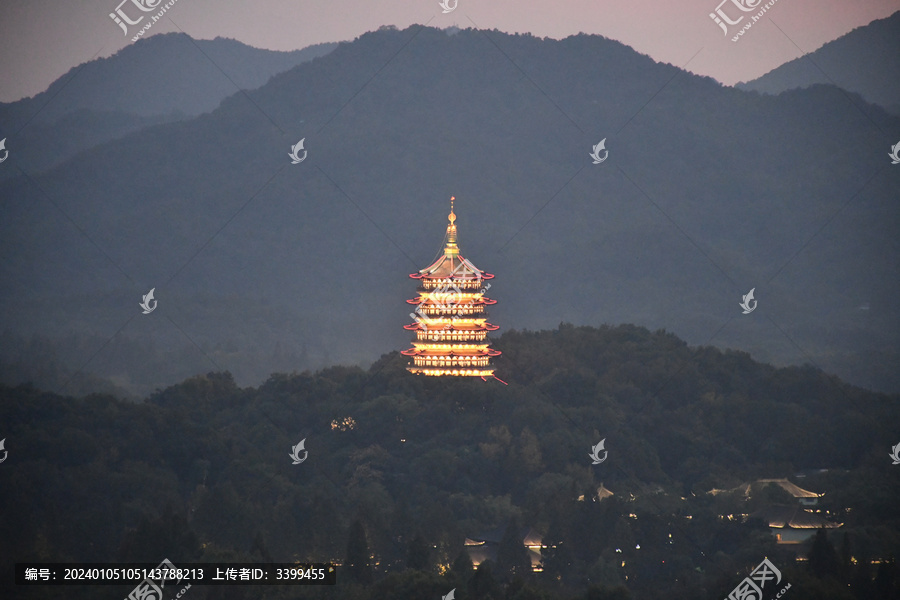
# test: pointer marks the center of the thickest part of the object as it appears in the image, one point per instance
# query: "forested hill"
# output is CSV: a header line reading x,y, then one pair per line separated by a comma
x,y
201,470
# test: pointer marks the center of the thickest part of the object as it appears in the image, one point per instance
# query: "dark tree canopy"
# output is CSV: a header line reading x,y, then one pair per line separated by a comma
x,y
402,470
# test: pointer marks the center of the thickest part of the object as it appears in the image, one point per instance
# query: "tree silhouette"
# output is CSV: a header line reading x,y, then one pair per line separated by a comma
x,y
462,567
153,540
357,563
483,585
512,556
607,593
259,547
418,555
886,581
823,559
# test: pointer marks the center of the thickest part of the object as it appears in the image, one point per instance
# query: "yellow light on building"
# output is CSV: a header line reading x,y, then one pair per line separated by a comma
x,y
450,307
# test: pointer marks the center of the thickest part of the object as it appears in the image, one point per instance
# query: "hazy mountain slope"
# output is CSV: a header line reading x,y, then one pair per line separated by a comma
x,y
139,85
261,265
865,61
43,145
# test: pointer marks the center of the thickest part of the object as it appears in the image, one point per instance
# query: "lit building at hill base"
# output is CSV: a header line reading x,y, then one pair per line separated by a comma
x,y
450,320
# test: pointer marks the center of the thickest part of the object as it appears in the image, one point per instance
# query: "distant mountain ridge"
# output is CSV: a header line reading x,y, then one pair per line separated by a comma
x,y
140,78
865,61
109,97
260,265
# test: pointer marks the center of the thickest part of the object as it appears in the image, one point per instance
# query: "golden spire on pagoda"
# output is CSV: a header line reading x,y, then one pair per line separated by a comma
x,y
451,249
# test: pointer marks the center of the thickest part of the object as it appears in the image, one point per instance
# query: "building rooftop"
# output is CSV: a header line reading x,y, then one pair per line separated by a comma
x,y
529,537
794,517
791,488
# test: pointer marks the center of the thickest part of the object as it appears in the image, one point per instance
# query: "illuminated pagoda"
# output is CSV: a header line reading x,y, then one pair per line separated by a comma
x,y
450,318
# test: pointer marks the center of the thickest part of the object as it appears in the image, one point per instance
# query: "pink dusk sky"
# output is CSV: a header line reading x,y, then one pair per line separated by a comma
x,y
42,39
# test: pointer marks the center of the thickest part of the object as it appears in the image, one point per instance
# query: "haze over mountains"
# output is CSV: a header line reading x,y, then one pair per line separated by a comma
x,y
164,78
260,265
865,61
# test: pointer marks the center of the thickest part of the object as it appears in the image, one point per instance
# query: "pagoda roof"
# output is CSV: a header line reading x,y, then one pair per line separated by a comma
x,y
453,267
441,353
483,300
454,327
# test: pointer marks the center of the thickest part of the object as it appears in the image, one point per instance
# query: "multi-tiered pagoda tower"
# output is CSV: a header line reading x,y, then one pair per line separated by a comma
x,y
450,318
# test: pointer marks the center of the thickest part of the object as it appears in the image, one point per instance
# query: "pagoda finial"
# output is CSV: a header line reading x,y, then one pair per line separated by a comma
x,y
451,249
